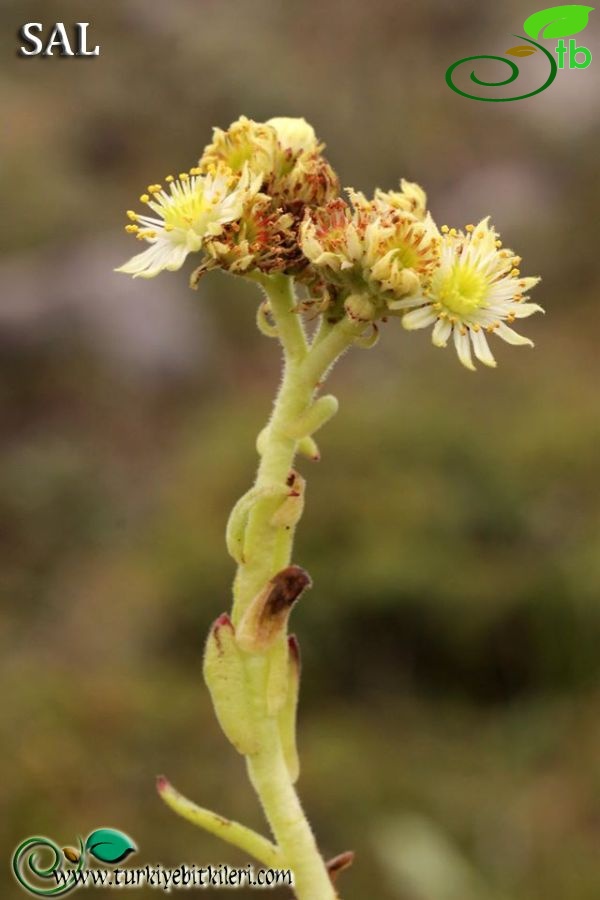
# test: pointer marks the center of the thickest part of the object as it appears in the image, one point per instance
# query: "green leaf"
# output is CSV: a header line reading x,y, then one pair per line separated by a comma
x,y
558,21
522,50
108,845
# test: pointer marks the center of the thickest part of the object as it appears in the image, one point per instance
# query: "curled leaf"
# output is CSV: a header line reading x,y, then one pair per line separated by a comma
x,y
522,50
109,845
266,618
558,21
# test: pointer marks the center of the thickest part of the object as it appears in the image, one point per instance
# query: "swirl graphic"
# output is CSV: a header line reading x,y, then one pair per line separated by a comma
x,y
25,862
514,74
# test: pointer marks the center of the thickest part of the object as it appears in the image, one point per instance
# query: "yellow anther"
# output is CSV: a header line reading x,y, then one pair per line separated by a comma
x,y
169,179
132,215
515,273
444,229
516,260
453,232
155,188
498,244
476,327
145,198
463,329
183,176
195,171
469,227
132,229
169,227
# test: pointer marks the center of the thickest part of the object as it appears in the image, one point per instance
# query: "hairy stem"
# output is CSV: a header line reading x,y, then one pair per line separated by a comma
x,y
266,549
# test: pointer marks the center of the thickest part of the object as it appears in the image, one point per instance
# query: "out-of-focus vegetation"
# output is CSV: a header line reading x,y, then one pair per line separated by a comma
x,y
451,684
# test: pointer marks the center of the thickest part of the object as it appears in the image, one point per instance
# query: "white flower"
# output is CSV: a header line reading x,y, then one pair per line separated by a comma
x,y
476,289
193,208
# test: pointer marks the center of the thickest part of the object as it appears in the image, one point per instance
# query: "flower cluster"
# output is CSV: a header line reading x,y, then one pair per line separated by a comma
x,y
263,199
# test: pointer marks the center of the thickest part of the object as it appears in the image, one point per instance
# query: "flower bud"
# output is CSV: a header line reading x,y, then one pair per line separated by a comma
x,y
225,676
294,134
360,308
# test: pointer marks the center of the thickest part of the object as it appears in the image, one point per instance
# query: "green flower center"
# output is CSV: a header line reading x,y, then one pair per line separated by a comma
x,y
462,290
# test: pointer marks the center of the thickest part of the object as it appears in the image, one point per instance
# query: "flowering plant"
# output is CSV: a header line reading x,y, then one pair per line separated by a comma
x,y
263,203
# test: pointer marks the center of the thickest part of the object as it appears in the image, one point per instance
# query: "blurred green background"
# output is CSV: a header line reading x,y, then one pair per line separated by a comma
x,y
449,719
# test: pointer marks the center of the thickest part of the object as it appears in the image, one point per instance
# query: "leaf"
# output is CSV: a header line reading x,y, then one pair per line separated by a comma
x,y
522,50
71,854
109,845
558,21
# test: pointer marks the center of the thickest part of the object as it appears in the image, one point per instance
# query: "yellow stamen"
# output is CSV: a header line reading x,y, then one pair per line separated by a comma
x,y
145,198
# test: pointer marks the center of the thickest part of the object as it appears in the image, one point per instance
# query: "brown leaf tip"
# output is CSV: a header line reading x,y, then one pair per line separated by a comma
x,y
294,648
286,588
222,622
339,863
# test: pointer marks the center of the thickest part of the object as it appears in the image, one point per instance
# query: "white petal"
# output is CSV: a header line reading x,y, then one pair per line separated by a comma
x,y
481,348
407,303
511,337
159,256
463,348
441,332
527,283
418,318
522,310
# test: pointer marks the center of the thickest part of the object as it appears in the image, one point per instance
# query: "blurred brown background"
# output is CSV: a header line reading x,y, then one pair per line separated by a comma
x,y
449,720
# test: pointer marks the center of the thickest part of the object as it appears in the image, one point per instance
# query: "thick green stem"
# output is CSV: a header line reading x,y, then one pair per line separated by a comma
x,y
270,779
265,549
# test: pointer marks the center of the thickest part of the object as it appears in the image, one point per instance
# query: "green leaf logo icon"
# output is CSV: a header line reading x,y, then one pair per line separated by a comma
x,y
558,21
108,845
